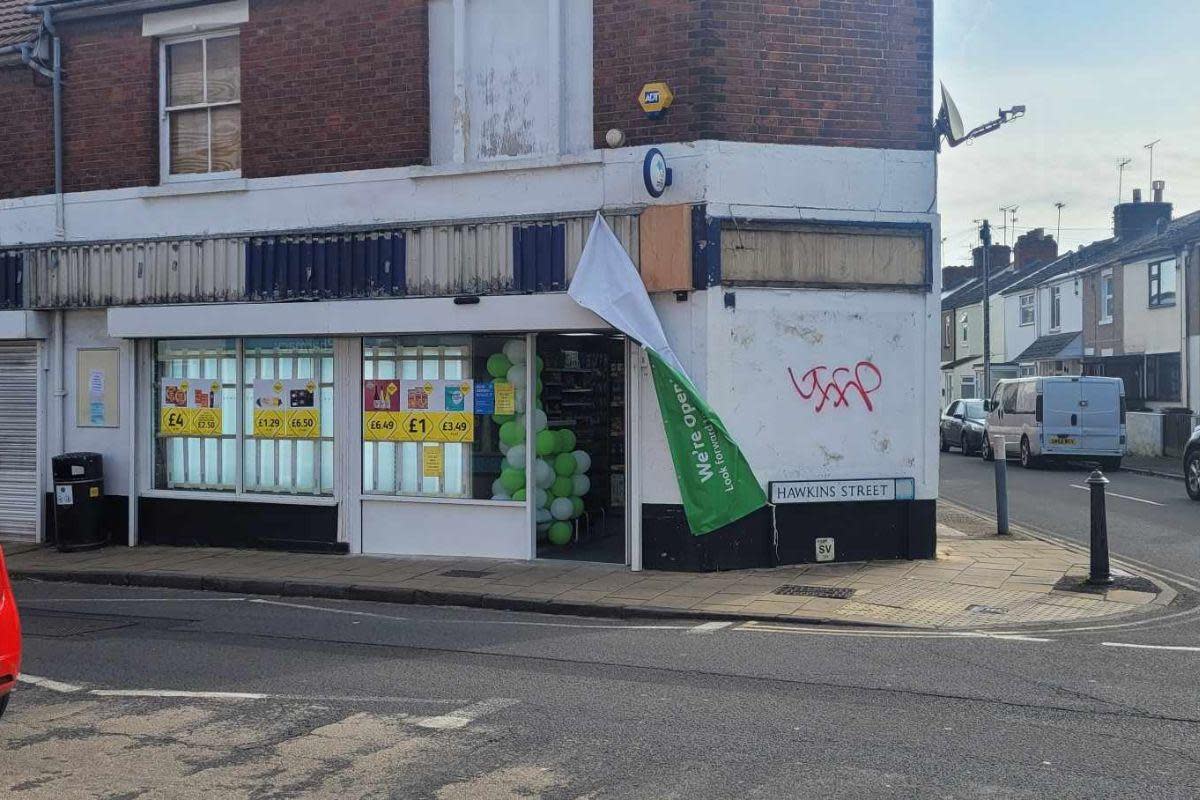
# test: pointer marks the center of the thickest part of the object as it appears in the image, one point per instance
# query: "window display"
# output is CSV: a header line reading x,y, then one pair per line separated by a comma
x,y
286,428
433,416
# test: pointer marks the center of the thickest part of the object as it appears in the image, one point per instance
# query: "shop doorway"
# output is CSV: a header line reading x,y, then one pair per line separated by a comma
x,y
583,396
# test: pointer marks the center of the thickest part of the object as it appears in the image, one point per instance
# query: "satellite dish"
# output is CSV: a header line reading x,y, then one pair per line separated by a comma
x,y
953,126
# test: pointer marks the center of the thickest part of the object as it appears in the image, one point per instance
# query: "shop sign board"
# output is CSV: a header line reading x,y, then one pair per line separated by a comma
x,y
189,407
396,410
855,490
286,409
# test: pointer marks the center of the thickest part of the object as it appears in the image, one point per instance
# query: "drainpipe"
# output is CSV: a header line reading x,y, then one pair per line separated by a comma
x,y
60,388
60,211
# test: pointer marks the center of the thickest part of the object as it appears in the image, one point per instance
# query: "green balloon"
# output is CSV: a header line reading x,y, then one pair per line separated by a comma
x,y
576,506
547,442
498,365
560,533
564,463
561,487
519,494
539,363
500,419
537,392
566,442
512,432
513,479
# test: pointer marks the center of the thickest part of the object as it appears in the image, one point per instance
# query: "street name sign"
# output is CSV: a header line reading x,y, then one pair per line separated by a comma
x,y
854,490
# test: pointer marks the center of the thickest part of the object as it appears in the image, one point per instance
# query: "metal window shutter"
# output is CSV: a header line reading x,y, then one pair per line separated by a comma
x,y
18,440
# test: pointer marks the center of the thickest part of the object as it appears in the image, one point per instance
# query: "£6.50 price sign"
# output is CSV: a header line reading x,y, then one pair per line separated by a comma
x,y
286,409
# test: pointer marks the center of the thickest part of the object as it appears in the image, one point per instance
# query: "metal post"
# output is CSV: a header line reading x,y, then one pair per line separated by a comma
x,y
985,236
1100,574
1001,463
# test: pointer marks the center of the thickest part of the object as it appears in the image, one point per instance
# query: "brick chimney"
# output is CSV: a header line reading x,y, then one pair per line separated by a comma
x,y
1034,246
1131,220
998,258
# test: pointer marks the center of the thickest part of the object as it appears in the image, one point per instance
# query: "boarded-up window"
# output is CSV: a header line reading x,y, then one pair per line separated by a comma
x,y
826,255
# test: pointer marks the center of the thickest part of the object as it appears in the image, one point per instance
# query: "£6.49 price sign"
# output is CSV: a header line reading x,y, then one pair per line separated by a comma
x,y
397,410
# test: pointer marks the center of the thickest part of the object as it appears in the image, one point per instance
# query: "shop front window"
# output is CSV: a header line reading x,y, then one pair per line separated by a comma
x,y
440,417
279,440
196,415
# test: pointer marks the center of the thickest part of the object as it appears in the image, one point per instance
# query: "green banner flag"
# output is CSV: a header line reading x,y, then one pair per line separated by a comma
x,y
716,482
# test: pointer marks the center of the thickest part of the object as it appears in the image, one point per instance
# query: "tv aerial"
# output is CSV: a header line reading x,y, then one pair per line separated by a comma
x,y
950,125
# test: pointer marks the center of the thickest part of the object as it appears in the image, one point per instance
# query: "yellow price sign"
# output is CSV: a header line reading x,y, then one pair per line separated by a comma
x,y
379,426
207,422
268,424
457,426
303,424
415,427
175,422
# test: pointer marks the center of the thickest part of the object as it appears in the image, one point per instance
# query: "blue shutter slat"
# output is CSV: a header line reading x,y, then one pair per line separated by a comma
x,y
558,255
319,283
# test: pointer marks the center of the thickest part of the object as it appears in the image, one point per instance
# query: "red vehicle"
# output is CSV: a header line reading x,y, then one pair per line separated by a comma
x,y
10,637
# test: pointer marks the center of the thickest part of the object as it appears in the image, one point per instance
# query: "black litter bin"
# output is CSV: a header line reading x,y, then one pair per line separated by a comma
x,y
79,501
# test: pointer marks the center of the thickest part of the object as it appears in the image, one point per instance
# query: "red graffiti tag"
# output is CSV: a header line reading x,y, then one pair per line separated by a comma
x,y
837,386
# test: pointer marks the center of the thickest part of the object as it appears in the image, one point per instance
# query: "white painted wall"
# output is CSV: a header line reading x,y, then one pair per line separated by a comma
x,y
1150,330
510,79
786,436
431,528
1070,305
1017,337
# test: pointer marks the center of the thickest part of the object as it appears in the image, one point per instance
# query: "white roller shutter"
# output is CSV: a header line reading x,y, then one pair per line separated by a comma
x,y
18,440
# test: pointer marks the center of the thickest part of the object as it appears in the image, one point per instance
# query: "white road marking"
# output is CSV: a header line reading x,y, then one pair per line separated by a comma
x,y
1122,496
462,717
47,683
887,634
1179,648
347,611
705,628
179,693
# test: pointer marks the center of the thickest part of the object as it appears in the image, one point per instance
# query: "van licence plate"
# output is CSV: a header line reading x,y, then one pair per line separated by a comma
x,y
1065,440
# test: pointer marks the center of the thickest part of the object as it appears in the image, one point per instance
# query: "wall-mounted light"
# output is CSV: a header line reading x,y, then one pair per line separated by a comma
x,y
466,300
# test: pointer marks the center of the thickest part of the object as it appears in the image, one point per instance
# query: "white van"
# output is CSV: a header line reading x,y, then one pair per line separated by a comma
x,y
1061,417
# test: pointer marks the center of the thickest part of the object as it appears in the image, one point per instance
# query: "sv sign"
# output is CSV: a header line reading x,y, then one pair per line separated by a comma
x,y
838,386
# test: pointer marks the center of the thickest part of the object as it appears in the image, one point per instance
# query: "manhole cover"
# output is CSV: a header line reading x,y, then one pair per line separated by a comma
x,y
815,591
987,609
465,573
1133,583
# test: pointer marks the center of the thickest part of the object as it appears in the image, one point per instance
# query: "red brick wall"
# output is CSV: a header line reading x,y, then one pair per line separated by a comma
x,y
331,85
110,105
26,140
855,73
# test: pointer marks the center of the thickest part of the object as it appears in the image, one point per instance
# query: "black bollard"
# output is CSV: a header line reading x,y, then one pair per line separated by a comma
x,y
1100,574
1001,465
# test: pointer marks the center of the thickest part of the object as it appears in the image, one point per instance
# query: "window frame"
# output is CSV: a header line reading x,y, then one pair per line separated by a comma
x,y
1108,297
238,492
962,387
964,321
1022,307
164,111
1155,293
1056,307
948,331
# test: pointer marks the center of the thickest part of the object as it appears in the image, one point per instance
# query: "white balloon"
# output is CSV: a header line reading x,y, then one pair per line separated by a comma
x,y
519,398
539,420
516,375
498,487
514,350
543,474
582,460
502,496
541,497
543,527
580,484
504,448
543,515
562,508
516,456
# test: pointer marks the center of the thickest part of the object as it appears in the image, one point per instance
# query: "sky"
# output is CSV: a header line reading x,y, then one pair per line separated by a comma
x,y
1099,79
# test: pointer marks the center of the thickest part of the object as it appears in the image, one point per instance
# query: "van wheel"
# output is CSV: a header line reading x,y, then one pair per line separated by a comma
x,y
1027,459
985,450
1111,464
1191,474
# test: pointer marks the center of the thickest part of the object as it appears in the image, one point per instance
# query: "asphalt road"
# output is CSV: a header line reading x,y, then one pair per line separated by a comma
x,y
1149,519
175,694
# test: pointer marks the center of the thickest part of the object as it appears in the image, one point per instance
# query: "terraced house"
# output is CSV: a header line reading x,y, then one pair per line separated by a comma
x,y
291,266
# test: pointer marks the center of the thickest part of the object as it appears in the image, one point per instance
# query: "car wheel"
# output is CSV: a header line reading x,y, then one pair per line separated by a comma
x,y
985,449
1112,464
945,448
1027,459
4,703
1191,474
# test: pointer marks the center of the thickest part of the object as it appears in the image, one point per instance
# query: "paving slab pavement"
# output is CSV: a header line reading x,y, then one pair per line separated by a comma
x,y
978,580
